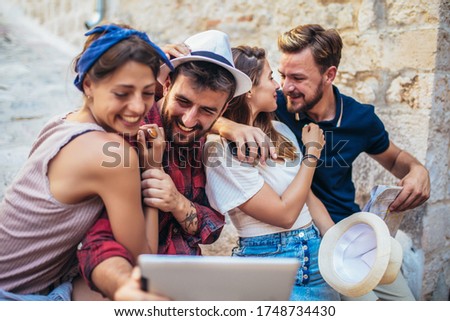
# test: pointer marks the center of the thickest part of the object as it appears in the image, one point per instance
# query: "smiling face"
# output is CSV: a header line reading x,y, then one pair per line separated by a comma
x,y
301,80
189,112
119,102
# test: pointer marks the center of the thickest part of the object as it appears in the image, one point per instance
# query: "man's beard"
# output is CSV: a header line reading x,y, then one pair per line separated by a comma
x,y
170,122
308,104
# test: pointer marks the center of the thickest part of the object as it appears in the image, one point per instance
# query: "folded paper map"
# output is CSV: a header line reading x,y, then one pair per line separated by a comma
x,y
381,197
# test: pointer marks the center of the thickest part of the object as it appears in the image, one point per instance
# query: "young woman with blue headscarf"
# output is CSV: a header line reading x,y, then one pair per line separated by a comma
x,y
81,164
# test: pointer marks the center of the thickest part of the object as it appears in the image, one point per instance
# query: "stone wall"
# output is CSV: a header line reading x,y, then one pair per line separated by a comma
x,y
396,56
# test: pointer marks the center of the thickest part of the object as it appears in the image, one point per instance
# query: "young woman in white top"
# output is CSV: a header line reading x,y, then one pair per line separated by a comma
x,y
271,204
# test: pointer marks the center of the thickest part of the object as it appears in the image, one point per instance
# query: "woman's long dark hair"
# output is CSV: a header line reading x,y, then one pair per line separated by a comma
x,y
250,60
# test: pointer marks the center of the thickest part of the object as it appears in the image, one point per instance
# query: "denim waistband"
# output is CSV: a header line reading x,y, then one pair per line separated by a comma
x,y
301,234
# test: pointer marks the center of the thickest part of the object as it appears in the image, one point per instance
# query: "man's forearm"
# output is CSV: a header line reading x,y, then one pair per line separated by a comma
x,y
414,177
218,125
186,215
110,274
404,164
397,161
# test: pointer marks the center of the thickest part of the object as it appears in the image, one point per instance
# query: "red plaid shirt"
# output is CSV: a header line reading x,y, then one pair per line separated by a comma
x,y
185,167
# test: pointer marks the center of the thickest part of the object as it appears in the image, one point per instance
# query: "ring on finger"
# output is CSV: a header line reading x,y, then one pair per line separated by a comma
x,y
152,133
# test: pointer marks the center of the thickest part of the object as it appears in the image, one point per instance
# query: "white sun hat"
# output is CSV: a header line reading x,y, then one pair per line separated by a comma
x,y
212,46
358,253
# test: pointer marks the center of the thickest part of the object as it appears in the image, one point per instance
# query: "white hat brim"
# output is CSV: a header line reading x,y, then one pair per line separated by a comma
x,y
243,82
373,265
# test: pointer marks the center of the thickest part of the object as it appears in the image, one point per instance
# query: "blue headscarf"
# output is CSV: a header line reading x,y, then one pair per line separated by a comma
x,y
113,35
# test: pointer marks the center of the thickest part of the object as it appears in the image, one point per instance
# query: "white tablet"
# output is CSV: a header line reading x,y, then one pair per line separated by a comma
x,y
218,278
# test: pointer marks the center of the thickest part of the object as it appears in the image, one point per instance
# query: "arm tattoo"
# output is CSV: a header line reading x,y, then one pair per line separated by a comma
x,y
191,220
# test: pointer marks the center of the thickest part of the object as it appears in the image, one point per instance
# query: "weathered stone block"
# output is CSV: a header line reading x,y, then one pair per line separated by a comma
x,y
412,12
412,89
367,88
361,52
436,275
436,226
366,15
413,263
409,49
437,164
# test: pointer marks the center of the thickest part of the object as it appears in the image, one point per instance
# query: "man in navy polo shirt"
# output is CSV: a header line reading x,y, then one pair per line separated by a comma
x,y
353,129
308,66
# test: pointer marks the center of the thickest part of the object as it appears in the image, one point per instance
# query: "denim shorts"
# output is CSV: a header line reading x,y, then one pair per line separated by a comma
x,y
63,292
302,244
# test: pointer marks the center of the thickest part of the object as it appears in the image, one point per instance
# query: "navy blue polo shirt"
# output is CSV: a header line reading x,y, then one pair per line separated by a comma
x,y
355,129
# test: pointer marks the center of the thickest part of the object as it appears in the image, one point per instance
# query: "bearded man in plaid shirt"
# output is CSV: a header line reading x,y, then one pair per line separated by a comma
x,y
195,94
